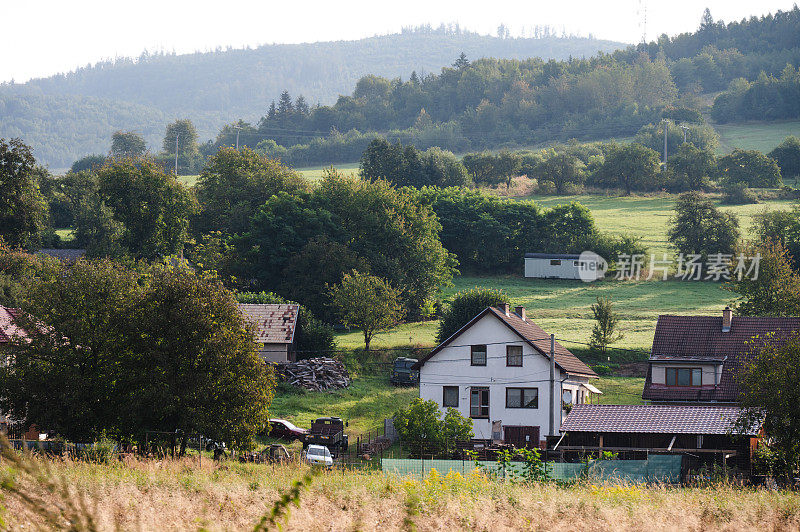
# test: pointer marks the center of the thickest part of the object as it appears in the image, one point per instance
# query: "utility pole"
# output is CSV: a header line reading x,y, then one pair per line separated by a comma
x,y
237,137
666,128
552,385
176,153
685,130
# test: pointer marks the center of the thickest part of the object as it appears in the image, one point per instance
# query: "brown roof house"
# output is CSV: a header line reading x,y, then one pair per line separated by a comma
x,y
499,370
691,383
275,325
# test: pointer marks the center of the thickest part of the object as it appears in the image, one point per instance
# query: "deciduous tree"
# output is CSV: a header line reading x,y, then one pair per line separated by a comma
x,y
23,210
775,290
366,302
699,227
604,332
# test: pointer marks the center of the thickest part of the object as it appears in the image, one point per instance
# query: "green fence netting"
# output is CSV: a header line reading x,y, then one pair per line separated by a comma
x,y
657,468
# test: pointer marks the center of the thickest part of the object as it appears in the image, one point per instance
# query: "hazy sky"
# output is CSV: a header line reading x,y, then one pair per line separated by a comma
x,y
42,37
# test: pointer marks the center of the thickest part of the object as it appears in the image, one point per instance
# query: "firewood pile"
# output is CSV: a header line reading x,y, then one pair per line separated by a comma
x,y
315,374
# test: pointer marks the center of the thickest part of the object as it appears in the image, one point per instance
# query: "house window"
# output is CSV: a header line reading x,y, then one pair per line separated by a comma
x,y
513,355
522,398
450,396
684,376
478,355
479,403
555,262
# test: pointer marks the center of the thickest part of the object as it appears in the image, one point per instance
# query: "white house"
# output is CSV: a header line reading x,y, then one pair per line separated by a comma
x,y
275,325
497,369
561,266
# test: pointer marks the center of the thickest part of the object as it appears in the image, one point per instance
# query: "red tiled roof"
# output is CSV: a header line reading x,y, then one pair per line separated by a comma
x,y
533,334
8,327
275,323
701,338
655,419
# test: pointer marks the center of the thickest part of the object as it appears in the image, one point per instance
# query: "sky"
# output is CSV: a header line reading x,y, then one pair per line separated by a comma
x,y
44,37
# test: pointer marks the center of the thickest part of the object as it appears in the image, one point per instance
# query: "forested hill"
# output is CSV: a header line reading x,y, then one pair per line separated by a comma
x,y
66,116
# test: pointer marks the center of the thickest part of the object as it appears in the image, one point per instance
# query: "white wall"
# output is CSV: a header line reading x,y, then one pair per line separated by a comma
x,y
451,367
541,268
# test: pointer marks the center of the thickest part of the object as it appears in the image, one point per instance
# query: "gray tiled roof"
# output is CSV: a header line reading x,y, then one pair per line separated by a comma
x,y
275,323
656,419
69,255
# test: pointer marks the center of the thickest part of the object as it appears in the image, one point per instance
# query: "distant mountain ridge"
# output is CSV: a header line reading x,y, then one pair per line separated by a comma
x,y
70,115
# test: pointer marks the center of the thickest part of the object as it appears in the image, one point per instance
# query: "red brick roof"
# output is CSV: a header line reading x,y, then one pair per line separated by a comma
x,y
8,327
654,419
530,332
701,338
275,323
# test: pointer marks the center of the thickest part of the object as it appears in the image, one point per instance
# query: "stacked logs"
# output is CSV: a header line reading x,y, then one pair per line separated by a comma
x,y
315,374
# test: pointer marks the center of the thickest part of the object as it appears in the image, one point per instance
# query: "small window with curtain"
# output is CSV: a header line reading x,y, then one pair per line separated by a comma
x,y
514,355
450,397
478,357
479,403
684,376
522,398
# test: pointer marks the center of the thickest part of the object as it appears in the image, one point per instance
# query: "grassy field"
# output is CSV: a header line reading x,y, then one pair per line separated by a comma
x,y
762,136
365,404
314,173
563,307
647,217
180,495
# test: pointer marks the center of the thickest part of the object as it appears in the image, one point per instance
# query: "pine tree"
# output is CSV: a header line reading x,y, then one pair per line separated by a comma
x,y
301,106
462,62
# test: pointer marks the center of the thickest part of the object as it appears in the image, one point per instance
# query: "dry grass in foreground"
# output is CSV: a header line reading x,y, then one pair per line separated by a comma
x,y
177,495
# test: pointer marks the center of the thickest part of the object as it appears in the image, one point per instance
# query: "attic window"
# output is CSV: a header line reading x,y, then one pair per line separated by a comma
x,y
684,376
478,355
555,262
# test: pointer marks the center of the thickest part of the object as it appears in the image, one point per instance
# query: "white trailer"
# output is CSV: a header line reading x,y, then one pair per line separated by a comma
x,y
562,266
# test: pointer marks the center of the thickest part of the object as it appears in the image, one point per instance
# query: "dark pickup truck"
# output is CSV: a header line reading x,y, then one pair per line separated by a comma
x,y
327,431
402,372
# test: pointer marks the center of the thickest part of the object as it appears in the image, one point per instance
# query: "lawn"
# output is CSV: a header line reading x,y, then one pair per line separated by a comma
x,y
620,390
365,404
762,136
563,307
188,180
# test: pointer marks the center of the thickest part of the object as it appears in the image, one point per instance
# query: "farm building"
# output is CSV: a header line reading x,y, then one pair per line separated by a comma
x,y
275,326
561,266
692,387
497,370
701,433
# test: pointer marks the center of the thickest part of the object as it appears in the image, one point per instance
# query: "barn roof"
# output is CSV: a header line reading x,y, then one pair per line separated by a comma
x,y
275,323
701,339
532,334
654,419
68,255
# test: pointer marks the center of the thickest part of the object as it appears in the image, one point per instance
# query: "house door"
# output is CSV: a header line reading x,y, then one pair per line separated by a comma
x,y
521,436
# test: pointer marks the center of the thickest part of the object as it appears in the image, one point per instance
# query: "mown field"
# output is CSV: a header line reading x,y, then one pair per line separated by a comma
x,y
762,136
179,495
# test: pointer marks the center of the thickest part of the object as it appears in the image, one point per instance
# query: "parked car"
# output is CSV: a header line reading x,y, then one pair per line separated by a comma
x,y
319,455
402,374
285,430
327,431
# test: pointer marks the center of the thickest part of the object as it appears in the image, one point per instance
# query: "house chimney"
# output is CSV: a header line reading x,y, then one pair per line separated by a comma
x,y
727,319
521,312
504,308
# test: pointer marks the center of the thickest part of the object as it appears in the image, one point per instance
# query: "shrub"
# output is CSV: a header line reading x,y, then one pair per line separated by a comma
x,y
465,306
738,194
